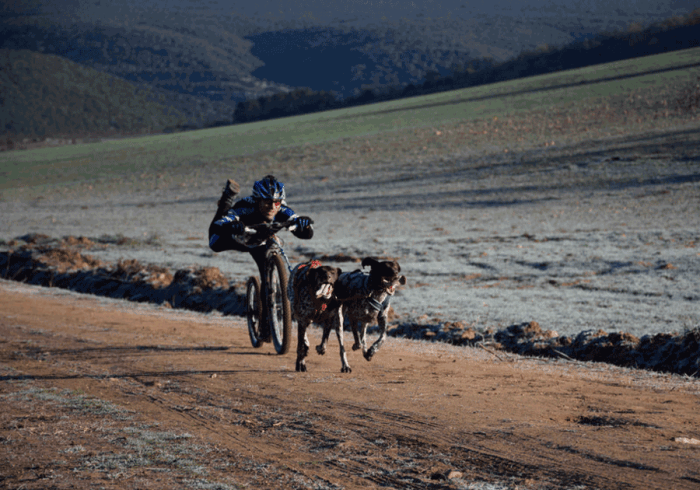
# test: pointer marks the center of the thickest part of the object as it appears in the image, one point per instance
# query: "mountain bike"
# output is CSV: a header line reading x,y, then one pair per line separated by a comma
x,y
268,311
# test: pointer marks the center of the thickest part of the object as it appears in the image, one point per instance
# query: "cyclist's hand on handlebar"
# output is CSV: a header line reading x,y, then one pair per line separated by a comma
x,y
262,231
304,222
238,228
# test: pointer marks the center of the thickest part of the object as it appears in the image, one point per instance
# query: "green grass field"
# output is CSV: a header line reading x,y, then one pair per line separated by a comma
x,y
628,96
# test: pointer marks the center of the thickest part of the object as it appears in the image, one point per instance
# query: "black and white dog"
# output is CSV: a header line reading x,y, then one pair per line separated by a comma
x,y
310,290
365,300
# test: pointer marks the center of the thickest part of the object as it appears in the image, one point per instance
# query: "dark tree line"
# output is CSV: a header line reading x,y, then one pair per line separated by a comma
x,y
281,104
673,34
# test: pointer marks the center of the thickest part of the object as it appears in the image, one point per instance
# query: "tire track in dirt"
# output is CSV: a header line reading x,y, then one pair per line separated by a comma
x,y
408,431
362,422
130,390
404,421
131,386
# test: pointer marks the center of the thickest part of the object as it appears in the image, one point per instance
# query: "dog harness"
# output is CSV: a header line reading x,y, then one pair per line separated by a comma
x,y
302,269
314,264
357,283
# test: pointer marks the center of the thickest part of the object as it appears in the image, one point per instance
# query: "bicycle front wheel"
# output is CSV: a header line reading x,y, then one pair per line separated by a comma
x,y
280,311
253,311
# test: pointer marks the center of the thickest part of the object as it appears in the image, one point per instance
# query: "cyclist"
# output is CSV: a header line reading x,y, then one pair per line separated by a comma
x,y
227,230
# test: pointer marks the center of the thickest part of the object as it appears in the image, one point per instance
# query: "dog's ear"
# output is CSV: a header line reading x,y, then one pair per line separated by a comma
x,y
369,261
402,280
339,271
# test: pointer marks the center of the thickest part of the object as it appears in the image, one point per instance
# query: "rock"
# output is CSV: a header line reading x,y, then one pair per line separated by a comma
x,y
452,474
446,475
686,440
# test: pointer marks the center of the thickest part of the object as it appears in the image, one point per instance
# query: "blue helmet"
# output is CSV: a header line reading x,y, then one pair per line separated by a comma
x,y
269,188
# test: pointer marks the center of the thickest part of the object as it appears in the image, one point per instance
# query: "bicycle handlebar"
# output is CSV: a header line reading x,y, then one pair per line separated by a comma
x,y
271,228
256,235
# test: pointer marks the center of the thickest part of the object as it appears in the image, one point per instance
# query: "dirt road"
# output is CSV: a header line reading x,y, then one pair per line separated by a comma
x,y
107,394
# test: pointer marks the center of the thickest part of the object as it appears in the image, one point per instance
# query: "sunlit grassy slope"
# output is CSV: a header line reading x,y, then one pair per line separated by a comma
x,y
530,111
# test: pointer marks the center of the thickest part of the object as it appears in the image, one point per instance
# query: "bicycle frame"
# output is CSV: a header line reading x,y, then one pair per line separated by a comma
x,y
275,319
275,248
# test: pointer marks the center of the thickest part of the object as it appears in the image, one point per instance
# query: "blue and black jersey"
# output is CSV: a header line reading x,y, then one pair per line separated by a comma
x,y
246,212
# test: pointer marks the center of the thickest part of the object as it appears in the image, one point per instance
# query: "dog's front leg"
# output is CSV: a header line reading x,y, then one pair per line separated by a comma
x,y
362,332
338,324
359,344
381,321
321,348
302,345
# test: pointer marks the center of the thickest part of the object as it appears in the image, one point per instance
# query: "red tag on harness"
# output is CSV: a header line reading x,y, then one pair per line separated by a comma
x,y
314,264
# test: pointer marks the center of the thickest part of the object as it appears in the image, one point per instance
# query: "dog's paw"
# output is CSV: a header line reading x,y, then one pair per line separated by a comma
x,y
356,347
321,349
301,367
345,369
369,354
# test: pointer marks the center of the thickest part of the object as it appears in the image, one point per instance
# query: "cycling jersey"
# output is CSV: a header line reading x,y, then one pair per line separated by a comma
x,y
244,213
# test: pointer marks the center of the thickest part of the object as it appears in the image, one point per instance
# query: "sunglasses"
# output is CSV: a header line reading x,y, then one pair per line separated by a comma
x,y
272,202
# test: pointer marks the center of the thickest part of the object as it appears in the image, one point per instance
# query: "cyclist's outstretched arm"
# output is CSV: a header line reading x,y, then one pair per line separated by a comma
x,y
303,228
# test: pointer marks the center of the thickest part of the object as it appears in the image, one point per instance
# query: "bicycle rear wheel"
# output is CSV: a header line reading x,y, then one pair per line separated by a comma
x,y
280,311
253,309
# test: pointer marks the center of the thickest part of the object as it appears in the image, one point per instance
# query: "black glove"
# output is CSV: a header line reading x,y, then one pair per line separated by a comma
x,y
304,222
263,231
237,228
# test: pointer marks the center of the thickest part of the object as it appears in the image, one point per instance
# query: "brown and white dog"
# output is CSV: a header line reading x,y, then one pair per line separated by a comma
x,y
365,300
310,291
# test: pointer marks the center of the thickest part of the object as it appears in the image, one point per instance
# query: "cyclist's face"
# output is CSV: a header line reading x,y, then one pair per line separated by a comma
x,y
269,207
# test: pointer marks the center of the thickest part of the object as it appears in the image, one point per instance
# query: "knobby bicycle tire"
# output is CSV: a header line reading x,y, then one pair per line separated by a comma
x,y
253,307
280,311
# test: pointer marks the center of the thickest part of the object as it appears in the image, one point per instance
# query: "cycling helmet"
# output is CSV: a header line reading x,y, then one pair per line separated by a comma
x,y
269,188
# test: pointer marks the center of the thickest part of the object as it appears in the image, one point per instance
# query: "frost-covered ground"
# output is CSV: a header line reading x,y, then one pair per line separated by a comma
x,y
602,234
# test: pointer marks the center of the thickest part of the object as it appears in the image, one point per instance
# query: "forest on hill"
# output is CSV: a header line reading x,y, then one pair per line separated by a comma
x,y
680,32
45,95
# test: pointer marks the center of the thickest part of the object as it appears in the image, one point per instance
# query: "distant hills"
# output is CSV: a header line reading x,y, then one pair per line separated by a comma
x,y
201,60
680,32
45,95
201,75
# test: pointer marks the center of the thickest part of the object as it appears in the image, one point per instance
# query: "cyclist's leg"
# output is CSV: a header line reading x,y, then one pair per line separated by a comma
x,y
259,255
228,197
221,239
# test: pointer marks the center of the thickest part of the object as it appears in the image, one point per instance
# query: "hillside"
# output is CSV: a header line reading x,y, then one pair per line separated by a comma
x,y
45,95
673,34
203,60
201,75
